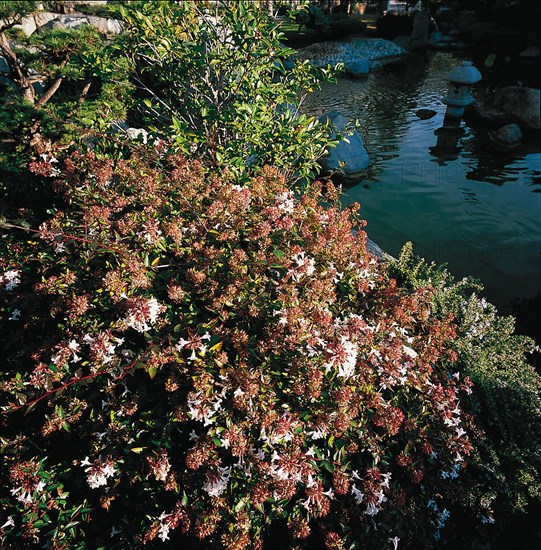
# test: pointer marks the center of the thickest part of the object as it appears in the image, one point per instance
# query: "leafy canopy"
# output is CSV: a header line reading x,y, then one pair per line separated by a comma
x,y
216,78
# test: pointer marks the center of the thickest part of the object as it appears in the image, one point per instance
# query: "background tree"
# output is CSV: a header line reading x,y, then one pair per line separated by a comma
x,y
58,89
219,81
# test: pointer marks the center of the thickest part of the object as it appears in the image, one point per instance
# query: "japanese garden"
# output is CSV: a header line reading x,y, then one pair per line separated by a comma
x,y
205,342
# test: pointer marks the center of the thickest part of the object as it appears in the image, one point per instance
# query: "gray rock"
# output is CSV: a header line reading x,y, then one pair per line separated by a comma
x,y
522,103
425,114
106,25
530,53
375,249
357,68
348,159
103,25
4,67
480,32
67,22
487,113
507,137
8,84
43,17
288,64
31,23
376,51
39,87
435,39
466,18
28,25
421,27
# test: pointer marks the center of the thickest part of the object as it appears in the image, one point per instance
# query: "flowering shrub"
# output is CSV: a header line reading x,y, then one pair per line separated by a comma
x,y
187,359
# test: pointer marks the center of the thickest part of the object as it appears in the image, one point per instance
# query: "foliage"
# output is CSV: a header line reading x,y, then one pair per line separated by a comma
x,y
218,81
311,16
10,9
62,90
192,359
505,466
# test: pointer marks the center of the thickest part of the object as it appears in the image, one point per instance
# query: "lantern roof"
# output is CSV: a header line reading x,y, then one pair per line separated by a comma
x,y
465,73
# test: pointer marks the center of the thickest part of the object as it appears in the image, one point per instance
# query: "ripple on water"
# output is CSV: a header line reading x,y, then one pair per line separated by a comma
x,y
479,211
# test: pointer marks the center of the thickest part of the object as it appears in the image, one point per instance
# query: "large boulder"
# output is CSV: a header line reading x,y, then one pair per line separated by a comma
x,y
103,25
420,31
7,83
522,103
31,23
507,137
357,68
466,18
349,159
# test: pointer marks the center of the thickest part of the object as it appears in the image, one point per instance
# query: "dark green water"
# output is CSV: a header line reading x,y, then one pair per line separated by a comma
x,y
480,213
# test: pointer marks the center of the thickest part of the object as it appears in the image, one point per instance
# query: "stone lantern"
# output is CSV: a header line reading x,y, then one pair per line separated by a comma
x,y
461,79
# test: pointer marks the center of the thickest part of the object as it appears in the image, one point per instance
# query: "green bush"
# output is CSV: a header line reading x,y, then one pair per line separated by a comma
x,y
505,466
217,80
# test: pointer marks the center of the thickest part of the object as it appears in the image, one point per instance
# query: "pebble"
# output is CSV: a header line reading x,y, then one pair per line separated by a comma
x,y
375,51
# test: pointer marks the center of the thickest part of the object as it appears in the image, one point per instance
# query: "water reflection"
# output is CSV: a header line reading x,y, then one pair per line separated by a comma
x,y
447,146
429,185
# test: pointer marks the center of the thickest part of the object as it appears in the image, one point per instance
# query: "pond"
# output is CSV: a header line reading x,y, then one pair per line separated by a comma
x,y
478,210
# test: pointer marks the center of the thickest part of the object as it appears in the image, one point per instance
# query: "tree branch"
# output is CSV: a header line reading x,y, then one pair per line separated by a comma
x,y
53,88
21,80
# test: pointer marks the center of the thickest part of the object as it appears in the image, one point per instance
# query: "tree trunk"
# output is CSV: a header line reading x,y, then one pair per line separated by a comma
x,y
21,80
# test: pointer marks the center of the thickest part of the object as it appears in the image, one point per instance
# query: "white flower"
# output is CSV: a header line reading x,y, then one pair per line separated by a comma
x,y
163,532
395,542
409,352
386,479
143,313
357,494
311,452
216,484
98,474
25,497
371,509
40,486
310,482
329,493
9,523
319,433
303,266
15,315
344,356
182,344
285,202
11,279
